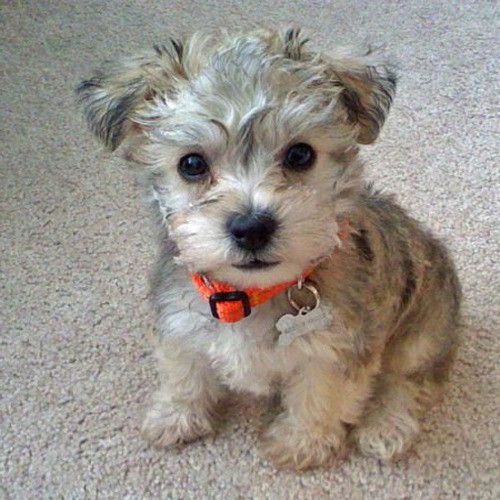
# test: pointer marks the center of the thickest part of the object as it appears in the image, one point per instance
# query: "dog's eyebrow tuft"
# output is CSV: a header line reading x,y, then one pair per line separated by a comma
x,y
248,121
245,133
221,126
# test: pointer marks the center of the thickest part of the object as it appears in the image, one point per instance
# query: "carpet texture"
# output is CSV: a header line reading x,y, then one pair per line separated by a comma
x,y
76,367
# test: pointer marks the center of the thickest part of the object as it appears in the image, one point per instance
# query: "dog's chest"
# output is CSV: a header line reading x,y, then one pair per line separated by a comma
x,y
245,354
248,355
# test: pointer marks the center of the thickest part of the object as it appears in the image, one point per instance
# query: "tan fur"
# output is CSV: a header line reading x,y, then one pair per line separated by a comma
x,y
240,101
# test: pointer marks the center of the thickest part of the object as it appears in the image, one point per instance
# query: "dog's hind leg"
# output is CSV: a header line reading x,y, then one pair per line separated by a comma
x,y
391,421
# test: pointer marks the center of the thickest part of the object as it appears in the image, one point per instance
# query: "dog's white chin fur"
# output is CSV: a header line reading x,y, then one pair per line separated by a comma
x,y
242,278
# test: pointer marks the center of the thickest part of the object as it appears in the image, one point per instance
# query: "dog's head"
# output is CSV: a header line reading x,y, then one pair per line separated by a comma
x,y
250,141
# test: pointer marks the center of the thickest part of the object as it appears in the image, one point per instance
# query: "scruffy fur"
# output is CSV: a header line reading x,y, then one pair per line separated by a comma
x,y
241,100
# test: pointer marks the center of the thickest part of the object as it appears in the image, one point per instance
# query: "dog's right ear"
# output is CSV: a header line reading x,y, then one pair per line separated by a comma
x,y
114,98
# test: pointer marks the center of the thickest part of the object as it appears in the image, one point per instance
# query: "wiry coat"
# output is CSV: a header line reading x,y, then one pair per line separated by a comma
x,y
241,101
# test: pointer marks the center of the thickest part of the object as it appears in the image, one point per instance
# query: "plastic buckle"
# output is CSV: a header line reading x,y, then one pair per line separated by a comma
x,y
236,296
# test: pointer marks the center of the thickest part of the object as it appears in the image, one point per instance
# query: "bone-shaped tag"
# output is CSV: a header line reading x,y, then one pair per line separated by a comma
x,y
305,321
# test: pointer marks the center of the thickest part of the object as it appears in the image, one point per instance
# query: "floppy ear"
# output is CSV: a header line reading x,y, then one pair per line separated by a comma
x,y
365,83
368,85
118,92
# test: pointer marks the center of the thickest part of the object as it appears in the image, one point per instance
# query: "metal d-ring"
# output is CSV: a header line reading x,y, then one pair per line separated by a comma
x,y
308,286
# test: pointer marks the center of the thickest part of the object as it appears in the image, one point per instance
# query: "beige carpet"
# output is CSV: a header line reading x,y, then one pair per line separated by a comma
x,y
76,367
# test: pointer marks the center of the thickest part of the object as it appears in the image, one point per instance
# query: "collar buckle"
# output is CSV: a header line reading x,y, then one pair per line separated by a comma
x,y
236,296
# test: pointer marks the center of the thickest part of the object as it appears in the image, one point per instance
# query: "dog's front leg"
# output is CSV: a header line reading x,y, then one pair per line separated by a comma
x,y
318,400
184,407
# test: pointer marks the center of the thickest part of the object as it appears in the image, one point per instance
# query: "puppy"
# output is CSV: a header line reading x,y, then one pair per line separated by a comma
x,y
280,270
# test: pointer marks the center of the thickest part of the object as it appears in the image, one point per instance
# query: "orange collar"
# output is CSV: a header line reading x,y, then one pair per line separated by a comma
x,y
229,305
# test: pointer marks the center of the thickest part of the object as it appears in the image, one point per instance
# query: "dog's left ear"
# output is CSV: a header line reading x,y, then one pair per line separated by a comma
x,y
368,89
367,86
116,98
365,82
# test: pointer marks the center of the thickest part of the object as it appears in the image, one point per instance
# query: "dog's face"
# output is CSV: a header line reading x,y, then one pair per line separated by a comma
x,y
250,142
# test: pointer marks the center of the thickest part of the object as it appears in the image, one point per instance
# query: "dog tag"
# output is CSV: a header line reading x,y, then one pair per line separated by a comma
x,y
305,321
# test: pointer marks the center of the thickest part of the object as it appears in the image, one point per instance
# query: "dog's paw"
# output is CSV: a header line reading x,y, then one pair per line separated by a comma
x,y
386,436
171,424
288,446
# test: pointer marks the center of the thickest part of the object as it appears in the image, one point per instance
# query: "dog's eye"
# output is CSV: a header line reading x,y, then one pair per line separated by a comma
x,y
193,167
299,157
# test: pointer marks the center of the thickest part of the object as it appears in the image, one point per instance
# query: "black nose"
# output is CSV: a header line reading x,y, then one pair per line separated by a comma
x,y
252,231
